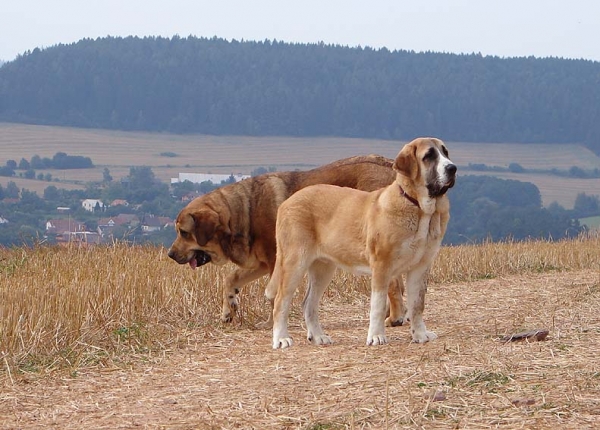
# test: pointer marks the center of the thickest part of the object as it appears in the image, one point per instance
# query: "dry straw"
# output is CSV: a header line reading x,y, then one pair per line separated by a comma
x,y
77,306
125,308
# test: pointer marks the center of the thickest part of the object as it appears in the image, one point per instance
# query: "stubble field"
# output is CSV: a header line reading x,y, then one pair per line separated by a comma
x,y
118,151
122,337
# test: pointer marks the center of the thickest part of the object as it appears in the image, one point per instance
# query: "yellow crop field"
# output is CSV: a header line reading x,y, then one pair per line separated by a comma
x,y
118,151
121,336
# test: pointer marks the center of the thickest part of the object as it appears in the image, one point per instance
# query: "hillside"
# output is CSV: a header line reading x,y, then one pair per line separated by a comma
x,y
212,86
118,151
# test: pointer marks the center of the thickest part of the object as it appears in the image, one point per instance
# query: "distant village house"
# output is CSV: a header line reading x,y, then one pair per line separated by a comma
x,y
198,178
92,205
119,202
106,226
155,223
69,230
60,226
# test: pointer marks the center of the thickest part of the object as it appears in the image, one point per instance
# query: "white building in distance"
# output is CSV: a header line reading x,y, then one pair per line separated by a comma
x,y
198,178
91,204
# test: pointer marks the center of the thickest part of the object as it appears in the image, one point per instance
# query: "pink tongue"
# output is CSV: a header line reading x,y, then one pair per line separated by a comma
x,y
193,263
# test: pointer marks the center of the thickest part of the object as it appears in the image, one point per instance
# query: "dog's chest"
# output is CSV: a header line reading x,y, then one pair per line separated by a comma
x,y
417,245
410,252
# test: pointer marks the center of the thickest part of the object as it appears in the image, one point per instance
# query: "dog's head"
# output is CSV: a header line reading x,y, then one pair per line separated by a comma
x,y
197,242
425,162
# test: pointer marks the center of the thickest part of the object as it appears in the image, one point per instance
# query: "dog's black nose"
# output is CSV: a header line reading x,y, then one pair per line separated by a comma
x,y
171,254
451,169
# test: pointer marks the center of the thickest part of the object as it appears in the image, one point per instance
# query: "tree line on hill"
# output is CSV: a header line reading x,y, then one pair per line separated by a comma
x,y
214,86
571,172
60,160
489,208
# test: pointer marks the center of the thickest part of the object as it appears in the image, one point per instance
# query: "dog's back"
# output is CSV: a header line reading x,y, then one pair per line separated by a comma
x,y
269,191
366,173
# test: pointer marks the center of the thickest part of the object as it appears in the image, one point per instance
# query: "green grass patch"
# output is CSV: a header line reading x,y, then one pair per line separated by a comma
x,y
591,221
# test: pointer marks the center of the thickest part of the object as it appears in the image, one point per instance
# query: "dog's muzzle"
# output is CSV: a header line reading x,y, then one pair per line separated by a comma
x,y
440,188
200,258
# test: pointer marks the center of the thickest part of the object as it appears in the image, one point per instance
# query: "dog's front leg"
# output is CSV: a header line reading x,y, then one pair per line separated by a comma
x,y
435,227
379,292
416,288
231,290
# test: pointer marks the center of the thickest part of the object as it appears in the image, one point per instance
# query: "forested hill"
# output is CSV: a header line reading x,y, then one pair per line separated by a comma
x,y
213,86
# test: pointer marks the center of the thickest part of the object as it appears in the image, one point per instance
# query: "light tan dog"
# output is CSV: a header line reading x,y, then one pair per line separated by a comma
x,y
385,233
237,223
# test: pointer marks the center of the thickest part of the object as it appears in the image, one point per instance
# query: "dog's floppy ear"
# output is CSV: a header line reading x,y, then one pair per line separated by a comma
x,y
205,226
233,238
235,247
406,161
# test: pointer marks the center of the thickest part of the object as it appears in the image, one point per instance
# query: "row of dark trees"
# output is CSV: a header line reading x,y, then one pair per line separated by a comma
x,y
213,86
60,160
488,208
572,172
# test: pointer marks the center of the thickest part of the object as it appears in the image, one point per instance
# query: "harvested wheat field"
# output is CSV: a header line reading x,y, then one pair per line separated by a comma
x,y
122,337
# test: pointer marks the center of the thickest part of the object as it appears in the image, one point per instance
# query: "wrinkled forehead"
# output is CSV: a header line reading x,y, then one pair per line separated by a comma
x,y
426,145
184,221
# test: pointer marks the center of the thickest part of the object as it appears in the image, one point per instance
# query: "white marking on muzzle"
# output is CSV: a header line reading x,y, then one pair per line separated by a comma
x,y
442,173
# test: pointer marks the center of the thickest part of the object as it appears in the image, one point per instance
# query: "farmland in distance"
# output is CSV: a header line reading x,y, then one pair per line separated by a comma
x,y
170,154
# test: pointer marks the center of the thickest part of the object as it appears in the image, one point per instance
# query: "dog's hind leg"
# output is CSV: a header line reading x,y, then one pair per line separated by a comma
x,y
285,280
320,274
270,294
234,281
397,312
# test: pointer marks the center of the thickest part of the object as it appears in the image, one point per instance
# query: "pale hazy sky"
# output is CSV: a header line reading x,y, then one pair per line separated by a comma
x,y
506,28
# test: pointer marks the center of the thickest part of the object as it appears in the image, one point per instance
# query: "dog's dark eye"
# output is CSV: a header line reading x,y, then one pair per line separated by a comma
x,y
430,155
445,151
184,234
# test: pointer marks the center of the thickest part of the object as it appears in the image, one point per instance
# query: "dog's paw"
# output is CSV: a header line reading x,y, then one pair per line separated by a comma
x,y
322,339
227,317
230,307
424,336
265,325
379,339
234,302
395,323
282,343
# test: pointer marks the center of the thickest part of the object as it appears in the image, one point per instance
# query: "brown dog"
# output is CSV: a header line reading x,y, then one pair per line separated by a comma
x,y
237,223
386,233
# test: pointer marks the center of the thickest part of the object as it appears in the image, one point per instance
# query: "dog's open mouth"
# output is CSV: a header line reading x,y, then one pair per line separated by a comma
x,y
200,259
439,189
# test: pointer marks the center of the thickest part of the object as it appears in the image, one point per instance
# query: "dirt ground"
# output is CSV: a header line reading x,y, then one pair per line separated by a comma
x,y
229,377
